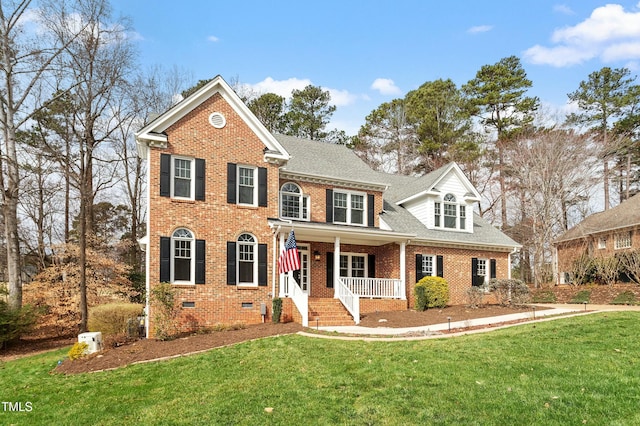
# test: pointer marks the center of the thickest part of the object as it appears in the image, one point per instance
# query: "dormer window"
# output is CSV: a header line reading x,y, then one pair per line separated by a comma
x,y
450,211
449,214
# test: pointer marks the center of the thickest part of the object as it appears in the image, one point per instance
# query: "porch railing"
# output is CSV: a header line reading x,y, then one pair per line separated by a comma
x,y
300,299
385,288
350,300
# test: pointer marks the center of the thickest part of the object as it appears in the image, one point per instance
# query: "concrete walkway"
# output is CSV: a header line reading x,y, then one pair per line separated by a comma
x,y
435,329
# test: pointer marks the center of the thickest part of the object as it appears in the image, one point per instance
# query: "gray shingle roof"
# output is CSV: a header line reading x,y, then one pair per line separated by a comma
x,y
624,215
328,160
338,162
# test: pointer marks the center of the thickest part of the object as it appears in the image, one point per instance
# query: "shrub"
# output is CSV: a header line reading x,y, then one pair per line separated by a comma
x,y
420,293
475,295
625,298
545,296
15,322
277,310
583,269
607,269
114,318
630,264
581,297
165,311
510,292
78,350
436,293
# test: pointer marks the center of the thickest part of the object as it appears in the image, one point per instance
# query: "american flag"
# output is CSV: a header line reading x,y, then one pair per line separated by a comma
x,y
289,258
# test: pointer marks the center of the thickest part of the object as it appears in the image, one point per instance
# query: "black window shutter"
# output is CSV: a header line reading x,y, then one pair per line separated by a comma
x,y
474,272
440,266
200,265
371,210
231,262
262,264
165,259
199,179
262,187
329,269
492,268
371,265
330,206
419,275
165,175
231,183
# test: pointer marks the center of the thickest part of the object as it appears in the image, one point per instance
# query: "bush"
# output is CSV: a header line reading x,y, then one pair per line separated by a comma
x,y
581,297
475,295
510,292
15,322
165,311
277,310
545,296
114,318
436,293
625,298
78,350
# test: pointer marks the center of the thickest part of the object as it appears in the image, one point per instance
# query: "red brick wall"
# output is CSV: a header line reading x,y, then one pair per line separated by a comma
x,y
213,220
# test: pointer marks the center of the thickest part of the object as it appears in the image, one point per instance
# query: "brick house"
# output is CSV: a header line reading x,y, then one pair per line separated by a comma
x,y
600,235
224,193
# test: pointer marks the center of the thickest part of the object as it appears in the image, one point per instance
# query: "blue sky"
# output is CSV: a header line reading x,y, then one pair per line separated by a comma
x,y
370,52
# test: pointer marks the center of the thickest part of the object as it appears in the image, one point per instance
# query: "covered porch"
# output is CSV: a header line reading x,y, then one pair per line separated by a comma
x,y
363,268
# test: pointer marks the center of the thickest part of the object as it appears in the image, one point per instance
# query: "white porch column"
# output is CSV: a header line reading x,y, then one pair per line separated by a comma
x,y
281,276
403,270
336,266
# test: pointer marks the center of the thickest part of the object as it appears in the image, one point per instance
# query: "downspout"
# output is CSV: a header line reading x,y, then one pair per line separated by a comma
x,y
274,266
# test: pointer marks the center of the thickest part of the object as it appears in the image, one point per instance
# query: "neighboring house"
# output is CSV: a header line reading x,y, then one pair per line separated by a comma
x,y
600,235
224,193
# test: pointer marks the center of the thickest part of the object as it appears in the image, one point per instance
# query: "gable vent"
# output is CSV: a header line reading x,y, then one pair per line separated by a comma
x,y
217,120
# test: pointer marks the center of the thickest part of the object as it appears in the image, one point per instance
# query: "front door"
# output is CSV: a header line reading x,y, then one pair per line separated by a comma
x,y
302,276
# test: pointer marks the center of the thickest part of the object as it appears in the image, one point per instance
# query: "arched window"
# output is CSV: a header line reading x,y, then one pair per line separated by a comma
x,y
247,265
293,204
450,211
182,255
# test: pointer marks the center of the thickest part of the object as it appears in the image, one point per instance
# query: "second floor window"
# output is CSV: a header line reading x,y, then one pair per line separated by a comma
x,y
622,240
182,177
293,204
450,213
348,207
246,185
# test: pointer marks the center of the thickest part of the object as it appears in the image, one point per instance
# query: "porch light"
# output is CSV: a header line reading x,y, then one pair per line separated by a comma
x,y
316,255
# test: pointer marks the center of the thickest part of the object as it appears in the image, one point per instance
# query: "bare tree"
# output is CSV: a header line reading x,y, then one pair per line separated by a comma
x,y
549,166
26,58
97,62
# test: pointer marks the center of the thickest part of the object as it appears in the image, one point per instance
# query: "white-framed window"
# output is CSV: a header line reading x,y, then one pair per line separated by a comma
x,y
482,268
247,185
293,204
622,240
182,182
353,265
349,207
428,265
247,271
182,256
449,214
602,243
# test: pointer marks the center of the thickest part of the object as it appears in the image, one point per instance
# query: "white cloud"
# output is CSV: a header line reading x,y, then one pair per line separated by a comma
x,y
341,97
480,29
213,39
564,9
280,87
385,86
610,33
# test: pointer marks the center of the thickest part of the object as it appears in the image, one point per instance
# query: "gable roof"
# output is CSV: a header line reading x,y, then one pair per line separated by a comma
x,y
428,184
327,161
624,215
153,133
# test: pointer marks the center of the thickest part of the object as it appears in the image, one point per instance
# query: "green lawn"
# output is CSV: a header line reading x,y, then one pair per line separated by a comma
x,y
572,371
